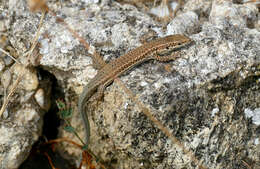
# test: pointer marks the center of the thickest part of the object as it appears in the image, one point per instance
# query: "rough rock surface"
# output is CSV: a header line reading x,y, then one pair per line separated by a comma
x,y
21,122
209,98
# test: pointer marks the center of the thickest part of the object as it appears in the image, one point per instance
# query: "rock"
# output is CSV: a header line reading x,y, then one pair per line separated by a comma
x,y
6,79
15,144
2,65
201,98
186,23
29,81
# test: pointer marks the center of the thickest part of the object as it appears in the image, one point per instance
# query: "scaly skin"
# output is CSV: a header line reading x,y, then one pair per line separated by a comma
x,y
105,76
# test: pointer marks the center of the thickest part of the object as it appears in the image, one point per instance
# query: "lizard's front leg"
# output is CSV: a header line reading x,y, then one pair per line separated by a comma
x,y
166,58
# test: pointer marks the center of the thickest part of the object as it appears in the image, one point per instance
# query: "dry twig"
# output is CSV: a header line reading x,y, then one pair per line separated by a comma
x,y
15,85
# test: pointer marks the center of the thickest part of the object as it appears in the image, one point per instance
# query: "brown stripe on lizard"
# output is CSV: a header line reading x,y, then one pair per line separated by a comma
x,y
155,50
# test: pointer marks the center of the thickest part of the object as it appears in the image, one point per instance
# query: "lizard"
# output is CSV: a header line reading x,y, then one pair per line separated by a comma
x,y
158,49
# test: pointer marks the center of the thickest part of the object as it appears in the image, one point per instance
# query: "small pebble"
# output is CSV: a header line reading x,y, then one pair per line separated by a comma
x,y
2,64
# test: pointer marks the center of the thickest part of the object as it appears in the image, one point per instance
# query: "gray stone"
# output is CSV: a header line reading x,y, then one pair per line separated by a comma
x,y
202,97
